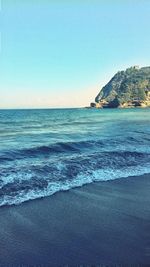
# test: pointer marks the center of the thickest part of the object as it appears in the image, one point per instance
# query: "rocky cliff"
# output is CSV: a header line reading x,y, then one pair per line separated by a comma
x,y
129,88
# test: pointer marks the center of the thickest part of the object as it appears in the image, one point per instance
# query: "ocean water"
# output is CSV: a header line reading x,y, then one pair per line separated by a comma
x,y
46,151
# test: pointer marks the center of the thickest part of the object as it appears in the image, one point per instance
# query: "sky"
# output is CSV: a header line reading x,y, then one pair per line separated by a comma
x,y
59,53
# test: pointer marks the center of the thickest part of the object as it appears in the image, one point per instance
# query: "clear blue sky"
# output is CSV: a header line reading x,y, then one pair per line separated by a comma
x,y
59,53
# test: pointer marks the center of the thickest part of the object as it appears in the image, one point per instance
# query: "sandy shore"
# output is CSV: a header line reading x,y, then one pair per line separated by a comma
x,y
100,223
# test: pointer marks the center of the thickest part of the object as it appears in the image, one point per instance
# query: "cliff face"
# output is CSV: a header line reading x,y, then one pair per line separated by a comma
x,y
126,89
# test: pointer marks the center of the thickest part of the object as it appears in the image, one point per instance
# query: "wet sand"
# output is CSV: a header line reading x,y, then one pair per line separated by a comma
x,y
100,223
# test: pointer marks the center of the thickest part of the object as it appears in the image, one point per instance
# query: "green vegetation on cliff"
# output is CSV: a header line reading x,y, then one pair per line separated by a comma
x,y
130,85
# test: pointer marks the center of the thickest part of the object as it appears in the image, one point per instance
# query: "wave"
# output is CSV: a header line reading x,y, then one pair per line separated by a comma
x,y
70,147
26,182
60,147
28,193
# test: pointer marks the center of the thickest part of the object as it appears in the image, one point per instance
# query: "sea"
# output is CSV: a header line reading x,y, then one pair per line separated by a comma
x,y
44,151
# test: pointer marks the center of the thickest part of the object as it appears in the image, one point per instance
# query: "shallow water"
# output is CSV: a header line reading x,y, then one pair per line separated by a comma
x,y
45,151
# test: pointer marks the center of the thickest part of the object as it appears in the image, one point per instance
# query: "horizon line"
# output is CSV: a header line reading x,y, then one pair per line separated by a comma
x,y
41,108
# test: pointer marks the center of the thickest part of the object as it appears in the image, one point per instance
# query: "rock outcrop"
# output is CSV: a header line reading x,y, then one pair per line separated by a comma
x,y
129,88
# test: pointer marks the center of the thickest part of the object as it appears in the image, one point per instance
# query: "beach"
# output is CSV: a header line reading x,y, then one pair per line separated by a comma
x,y
75,134
100,223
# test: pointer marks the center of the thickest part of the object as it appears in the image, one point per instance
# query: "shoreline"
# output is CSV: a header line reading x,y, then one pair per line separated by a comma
x,y
100,223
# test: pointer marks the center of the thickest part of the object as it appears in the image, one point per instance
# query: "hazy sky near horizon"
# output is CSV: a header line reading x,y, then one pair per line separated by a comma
x,y
60,53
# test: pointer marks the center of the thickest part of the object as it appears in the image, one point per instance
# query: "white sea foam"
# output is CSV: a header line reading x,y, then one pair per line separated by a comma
x,y
80,180
14,178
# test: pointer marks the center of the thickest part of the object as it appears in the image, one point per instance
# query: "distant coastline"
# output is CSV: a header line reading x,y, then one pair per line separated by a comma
x,y
126,89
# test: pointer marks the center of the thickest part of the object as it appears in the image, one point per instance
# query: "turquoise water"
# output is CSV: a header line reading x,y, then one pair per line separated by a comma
x,y
46,151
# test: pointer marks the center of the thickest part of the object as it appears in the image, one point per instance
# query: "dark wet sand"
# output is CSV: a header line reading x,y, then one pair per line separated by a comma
x,y
101,223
